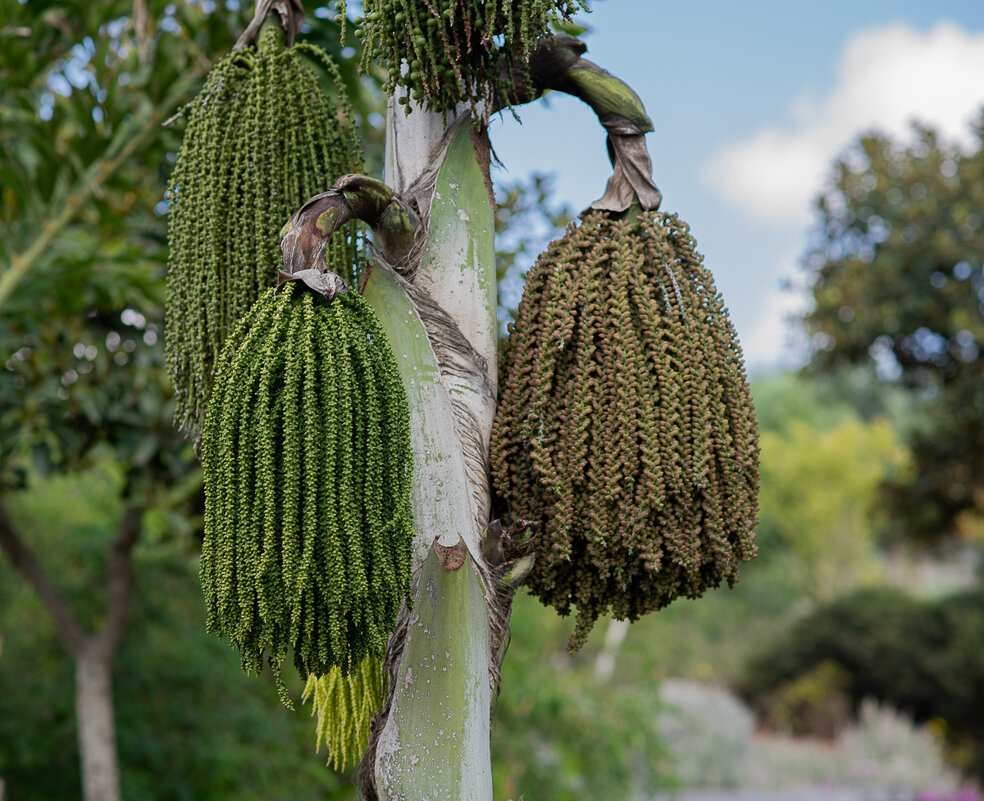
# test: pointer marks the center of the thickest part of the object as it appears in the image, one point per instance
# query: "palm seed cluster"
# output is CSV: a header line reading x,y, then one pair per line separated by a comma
x,y
625,422
454,50
344,707
261,138
306,457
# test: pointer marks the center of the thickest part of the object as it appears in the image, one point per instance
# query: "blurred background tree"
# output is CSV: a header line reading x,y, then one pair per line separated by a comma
x,y
819,522
189,724
899,287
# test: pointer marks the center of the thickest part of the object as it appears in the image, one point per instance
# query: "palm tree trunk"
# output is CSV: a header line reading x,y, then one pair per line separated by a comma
x,y
433,739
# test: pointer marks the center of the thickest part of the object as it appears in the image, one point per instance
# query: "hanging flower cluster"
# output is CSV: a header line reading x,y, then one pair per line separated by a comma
x,y
261,138
344,706
307,461
445,52
625,422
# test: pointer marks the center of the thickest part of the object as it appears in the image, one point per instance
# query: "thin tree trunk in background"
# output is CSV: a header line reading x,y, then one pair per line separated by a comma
x,y
94,720
92,654
608,656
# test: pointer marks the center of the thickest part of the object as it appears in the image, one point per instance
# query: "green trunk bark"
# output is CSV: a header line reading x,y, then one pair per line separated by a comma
x,y
434,743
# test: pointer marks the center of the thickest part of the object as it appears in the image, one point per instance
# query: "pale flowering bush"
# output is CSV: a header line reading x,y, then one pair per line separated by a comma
x,y
959,794
887,749
710,737
707,732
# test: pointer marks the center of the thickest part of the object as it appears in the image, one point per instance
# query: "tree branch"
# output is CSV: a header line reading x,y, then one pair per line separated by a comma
x,y
25,563
119,579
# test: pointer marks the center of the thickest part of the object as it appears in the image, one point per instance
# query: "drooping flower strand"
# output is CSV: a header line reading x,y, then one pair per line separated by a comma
x,y
261,138
344,706
306,457
445,52
625,422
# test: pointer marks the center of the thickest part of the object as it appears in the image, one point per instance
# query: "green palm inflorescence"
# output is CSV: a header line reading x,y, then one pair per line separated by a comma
x,y
307,464
625,422
261,138
344,706
445,52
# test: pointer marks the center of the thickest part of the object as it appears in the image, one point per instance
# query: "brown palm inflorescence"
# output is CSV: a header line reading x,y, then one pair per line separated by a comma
x,y
261,138
625,422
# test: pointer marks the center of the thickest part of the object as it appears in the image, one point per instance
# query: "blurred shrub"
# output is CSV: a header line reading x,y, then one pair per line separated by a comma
x,y
888,748
558,734
926,658
814,703
883,751
708,733
819,488
711,743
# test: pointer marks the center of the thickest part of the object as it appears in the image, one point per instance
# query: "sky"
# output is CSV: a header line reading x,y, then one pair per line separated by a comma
x,y
751,102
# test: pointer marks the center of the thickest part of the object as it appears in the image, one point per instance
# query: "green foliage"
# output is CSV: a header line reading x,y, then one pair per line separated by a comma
x,y
455,49
262,138
899,286
189,724
79,510
820,516
784,398
344,706
76,82
625,422
558,734
80,343
306,455
926,657
944,493
84,369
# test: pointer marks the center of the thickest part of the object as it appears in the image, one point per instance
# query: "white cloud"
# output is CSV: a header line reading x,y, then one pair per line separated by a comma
x,y
771,340
886,78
